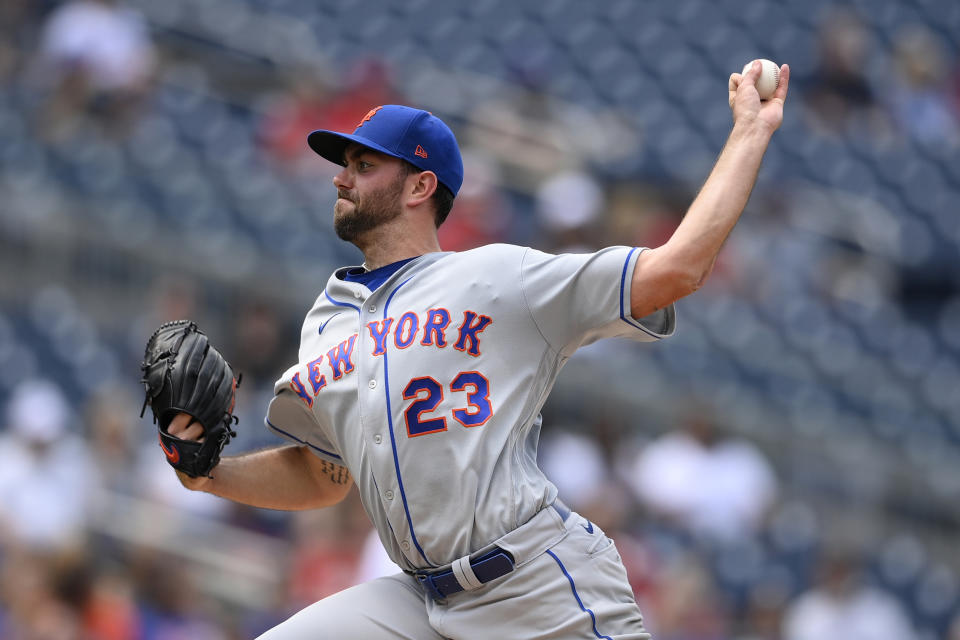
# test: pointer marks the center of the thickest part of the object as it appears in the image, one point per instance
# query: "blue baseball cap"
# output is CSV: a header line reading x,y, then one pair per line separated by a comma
x,y
417,136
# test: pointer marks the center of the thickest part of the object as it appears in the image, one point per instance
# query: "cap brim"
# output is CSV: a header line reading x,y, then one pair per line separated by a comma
x,y
331,145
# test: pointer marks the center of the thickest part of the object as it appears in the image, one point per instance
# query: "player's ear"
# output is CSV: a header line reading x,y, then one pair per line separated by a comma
x,y
424,185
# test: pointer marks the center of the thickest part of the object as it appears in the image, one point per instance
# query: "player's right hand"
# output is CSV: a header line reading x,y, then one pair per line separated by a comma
x,y
185,427
745,102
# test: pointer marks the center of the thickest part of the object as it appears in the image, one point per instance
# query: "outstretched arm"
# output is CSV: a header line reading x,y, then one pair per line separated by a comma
x,y
680,266
289,478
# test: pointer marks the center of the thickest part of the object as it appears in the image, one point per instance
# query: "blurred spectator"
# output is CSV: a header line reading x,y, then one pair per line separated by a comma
x,y
921,100
258,351
32,603
100,58
368,83
16,18
644,214
535,136
953,633
841,605
327,548
169,298
259,355
47,481
838,95
715,487
109,607
114,443
575,463
519,129
291,116
481,214
686,605
311,103
171,606
568,207
763,617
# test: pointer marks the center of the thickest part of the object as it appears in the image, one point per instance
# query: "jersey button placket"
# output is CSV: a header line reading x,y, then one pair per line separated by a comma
x,y
373,412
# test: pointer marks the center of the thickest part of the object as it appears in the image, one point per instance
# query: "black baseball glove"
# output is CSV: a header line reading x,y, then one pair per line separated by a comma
x,y
182,373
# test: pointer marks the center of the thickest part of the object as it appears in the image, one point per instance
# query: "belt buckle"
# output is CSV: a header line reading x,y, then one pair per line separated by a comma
x,y
427,582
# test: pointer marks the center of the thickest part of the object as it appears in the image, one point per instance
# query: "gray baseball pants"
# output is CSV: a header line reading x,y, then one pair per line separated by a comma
x,y
574,586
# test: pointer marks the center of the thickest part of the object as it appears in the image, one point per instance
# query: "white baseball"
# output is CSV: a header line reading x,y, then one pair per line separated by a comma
x,y
769,78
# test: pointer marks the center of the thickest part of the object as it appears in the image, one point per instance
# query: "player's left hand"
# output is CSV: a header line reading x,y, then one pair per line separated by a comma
x,y
191,388
745,101
185,427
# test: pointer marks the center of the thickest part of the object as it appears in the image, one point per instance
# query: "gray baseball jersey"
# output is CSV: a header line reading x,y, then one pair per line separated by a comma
x,y
429,388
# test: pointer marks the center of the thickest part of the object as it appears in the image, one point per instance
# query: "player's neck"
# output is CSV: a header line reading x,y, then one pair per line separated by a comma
x,y
385,246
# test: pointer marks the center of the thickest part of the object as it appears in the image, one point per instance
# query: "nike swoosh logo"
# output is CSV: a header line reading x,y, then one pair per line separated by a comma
x,y
324,325
172,456
588,526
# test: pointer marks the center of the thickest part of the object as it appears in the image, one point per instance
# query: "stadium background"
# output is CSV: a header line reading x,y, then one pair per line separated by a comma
x,y
152,166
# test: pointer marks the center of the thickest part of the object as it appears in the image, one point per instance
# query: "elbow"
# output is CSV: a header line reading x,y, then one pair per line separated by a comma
x,y
330,496
696,279
687,281
323,497
663,278
689,275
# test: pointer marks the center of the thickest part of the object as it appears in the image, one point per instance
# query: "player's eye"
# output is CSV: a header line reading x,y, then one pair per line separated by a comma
x,y
363,164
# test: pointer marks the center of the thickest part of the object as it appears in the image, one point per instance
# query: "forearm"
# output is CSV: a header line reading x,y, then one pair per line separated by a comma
x,y
286,478
681,265
717,208
678,268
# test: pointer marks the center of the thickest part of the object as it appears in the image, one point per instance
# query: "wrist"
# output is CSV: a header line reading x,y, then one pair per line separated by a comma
x,y
201,483
752,129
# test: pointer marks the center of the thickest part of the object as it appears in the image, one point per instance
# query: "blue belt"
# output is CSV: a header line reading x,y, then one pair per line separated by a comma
x,y
494,564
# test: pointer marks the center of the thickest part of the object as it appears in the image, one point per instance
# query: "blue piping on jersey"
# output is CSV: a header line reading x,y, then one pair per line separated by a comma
x,y
623,284
628,317
293,437
573,587
341,304
393,441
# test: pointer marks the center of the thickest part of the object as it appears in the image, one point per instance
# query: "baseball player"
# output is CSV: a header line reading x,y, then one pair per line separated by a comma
x,y
421,376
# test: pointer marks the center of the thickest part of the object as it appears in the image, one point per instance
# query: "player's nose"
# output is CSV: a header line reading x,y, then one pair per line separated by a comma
x,y
342,179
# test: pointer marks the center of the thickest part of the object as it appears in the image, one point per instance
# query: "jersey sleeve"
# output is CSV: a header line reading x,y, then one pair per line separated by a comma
x,y
577,299
290,418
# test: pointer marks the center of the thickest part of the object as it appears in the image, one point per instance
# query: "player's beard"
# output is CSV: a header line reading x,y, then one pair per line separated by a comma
x,y
368,212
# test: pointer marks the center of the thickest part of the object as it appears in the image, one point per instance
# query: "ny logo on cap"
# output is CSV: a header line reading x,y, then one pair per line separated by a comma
x,y
369,115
